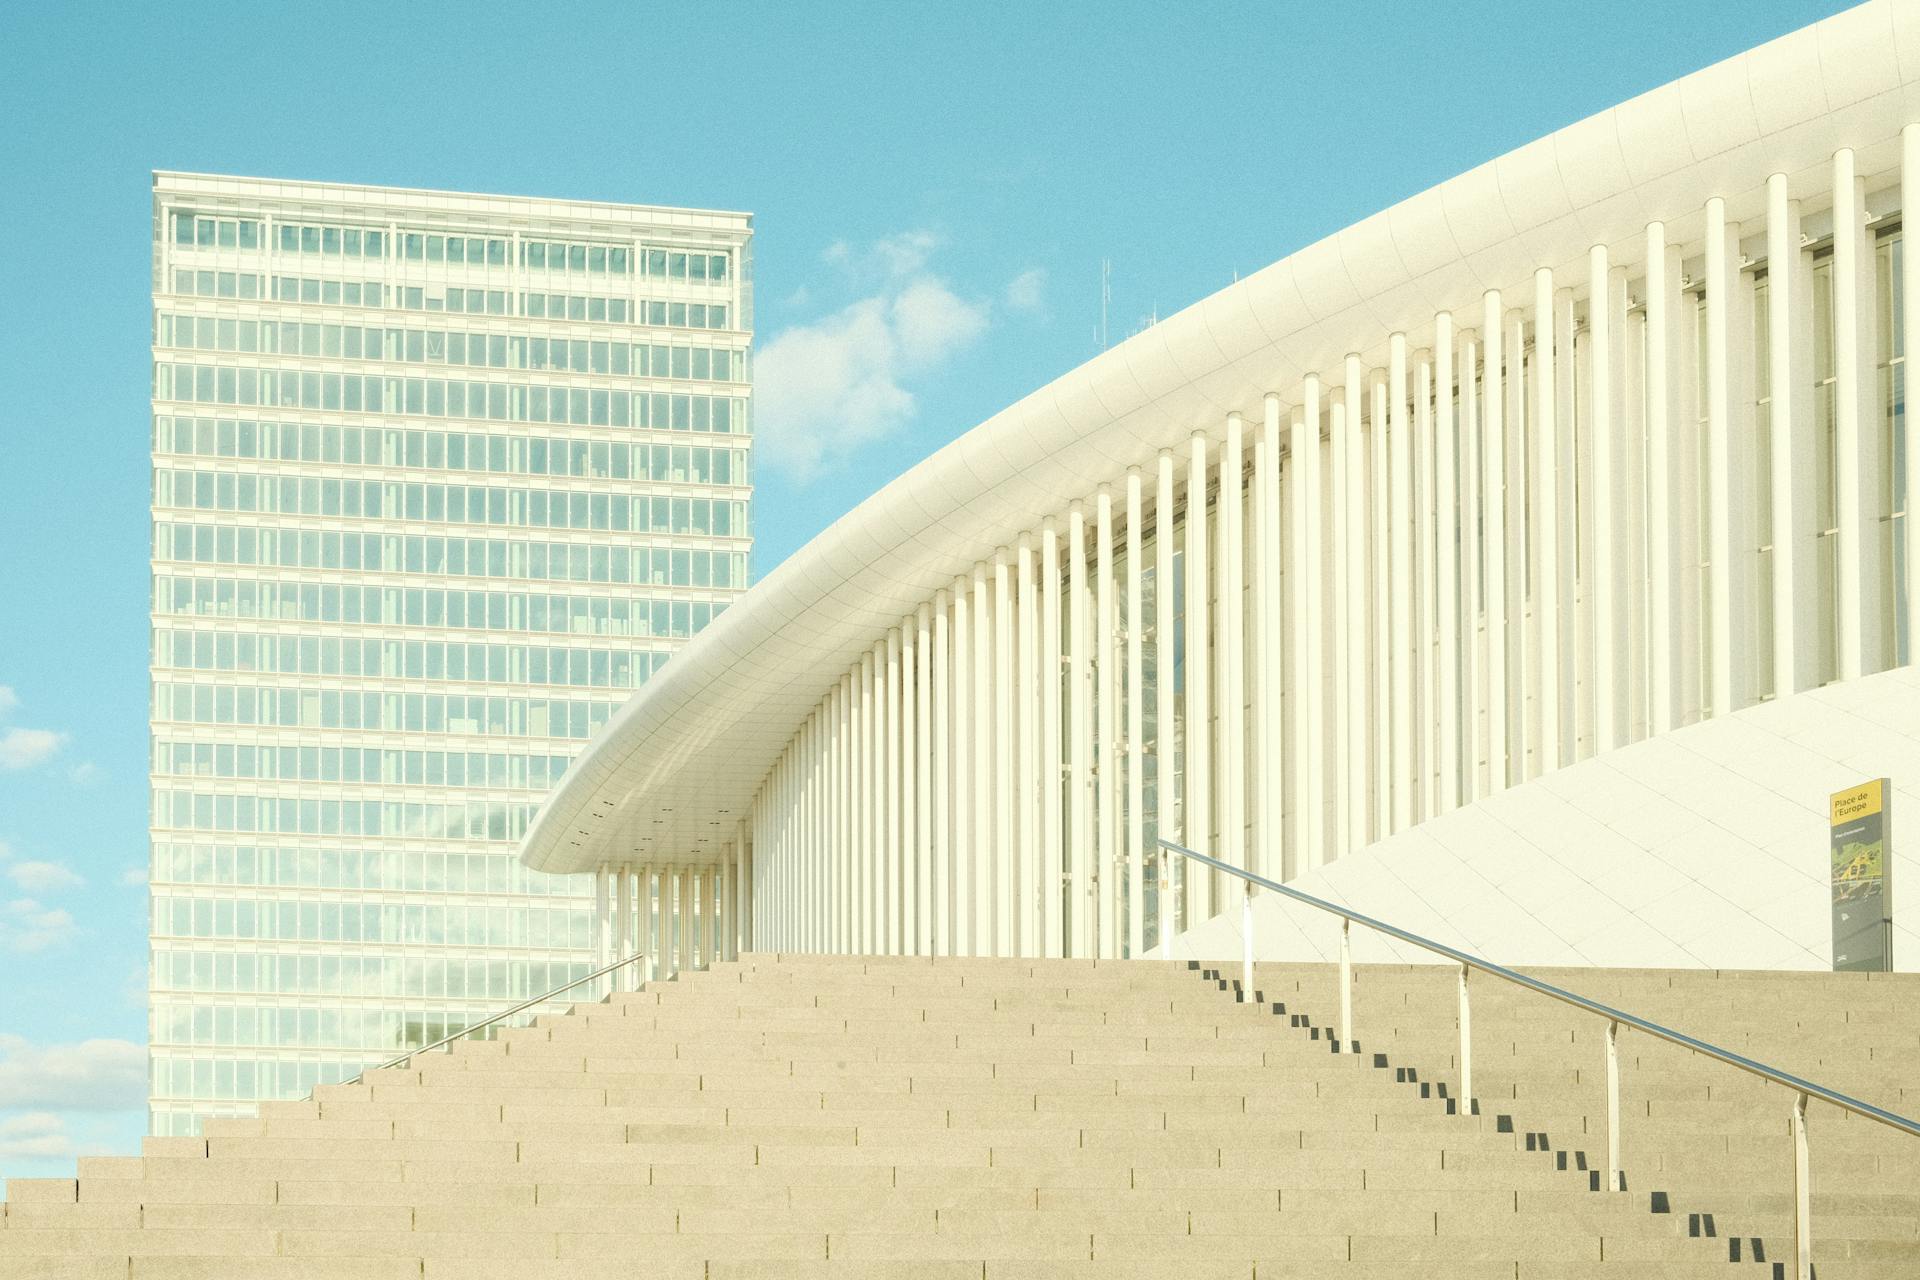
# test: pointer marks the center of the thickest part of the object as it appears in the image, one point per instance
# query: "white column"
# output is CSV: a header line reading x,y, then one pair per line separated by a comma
x,y
1351,590
1269,782
602,927
912,802
1446,456
774,844
643,924
1545,496
887,938
1106,777
1197,812
1340,826
832,820
620,883
795,906
743,937
683,910
649,968
829,716
1426,707
1136,746
1166,817
710,923
1047,776
1379,561
824,836
1606,306
849,820
941,867
1003,801
669,963
1856,426
1663,303
878,775
1493,497
642,928
1309,557
696,955
1567,475
853,696
792,794
1473,680
923,813
1723,265
702,951
965,709
1786,349
980,902
1027,881
1523,730
1231,675
1302,618
867,773
723,898
1079,734
1910,330
1400,626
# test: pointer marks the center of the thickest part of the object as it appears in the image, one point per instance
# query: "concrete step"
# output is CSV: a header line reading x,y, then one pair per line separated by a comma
x,y
797,1116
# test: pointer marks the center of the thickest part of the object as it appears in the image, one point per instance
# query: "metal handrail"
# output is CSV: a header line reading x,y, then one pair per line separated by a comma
x,y
1616,1018
484,1023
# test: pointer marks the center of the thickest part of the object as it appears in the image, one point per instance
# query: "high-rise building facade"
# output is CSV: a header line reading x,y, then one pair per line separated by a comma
x,y
438,480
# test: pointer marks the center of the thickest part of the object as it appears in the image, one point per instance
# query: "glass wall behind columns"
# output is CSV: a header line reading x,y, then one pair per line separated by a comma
x,y
1163,786
1762,501
1890,368
1162,781
1826,501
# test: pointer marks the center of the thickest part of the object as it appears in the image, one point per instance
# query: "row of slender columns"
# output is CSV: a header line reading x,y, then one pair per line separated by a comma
x,y
1506,548
675,917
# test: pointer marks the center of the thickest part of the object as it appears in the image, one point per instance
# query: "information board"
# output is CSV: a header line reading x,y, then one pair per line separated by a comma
x,y
1861,870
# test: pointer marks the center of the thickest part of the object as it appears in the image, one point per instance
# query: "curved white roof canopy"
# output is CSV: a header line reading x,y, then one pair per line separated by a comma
x,y
669,777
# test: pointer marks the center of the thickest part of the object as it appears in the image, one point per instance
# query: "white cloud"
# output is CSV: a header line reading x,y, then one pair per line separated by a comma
x,y
8,699
826,388
905,254
93,1075
43,877
932,323
895,257
1027,291
25,748
84,773
34,1135
25,925
134,876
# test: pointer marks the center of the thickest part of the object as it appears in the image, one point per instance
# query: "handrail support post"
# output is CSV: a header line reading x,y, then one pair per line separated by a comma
x,y
1466,1047
1346,986
1802,1194
1166,902
1613,1106
1246,941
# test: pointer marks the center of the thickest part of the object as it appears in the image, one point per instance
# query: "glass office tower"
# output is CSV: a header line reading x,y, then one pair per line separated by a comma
x,y
438,480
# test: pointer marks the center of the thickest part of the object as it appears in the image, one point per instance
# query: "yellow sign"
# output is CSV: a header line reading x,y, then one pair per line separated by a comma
x,y
1856,802
1860,876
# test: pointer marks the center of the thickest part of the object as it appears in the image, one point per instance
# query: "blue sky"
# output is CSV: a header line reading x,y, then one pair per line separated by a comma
x,y
934,189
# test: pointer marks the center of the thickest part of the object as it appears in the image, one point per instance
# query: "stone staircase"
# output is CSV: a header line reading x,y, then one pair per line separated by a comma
x,y
801,1116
